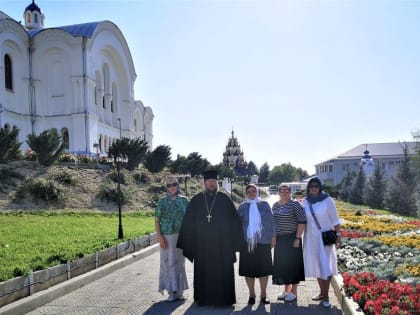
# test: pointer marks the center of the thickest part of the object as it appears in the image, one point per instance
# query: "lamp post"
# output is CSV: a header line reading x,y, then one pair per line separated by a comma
x,y
96,146
186,176
120,228
119,120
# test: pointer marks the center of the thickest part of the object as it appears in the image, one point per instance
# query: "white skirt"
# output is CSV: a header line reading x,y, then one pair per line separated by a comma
x,y
172,275
320,261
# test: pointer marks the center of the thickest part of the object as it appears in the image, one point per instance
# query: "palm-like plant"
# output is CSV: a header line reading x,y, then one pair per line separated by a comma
x,y
47,146
9,145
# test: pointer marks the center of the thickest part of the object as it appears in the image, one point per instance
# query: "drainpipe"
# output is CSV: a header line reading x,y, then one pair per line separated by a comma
x,y
31,87
85,103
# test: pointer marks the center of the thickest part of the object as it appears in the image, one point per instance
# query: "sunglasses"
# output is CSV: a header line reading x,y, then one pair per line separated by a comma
x,y
171,185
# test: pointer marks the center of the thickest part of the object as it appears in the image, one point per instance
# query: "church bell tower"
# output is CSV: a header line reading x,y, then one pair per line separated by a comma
x,y
33,16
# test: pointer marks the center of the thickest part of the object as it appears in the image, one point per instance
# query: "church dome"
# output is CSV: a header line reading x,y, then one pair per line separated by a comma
x,y
33,7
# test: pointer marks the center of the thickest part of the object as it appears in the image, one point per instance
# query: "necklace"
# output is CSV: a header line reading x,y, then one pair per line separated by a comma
x,y
209,216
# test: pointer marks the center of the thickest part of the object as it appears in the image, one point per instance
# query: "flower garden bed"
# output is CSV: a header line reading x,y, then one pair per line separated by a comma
x,y
380,260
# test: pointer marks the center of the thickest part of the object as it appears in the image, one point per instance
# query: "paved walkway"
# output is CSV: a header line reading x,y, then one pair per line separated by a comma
x,y
133,290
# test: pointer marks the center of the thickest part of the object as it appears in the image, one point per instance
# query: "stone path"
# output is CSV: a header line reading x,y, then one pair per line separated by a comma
x,y
133,290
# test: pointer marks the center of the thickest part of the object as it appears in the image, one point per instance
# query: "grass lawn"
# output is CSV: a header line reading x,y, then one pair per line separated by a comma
x,y
41,239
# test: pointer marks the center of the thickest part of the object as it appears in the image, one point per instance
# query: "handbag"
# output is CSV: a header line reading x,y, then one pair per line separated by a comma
x,y
328,237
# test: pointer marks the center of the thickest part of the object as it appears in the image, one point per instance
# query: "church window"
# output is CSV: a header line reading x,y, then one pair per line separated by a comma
x,y
112,106
103,102
36,18
330,168
8,78
135,124
28,18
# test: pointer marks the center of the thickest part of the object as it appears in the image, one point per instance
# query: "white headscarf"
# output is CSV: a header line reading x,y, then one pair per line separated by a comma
x,y
254,224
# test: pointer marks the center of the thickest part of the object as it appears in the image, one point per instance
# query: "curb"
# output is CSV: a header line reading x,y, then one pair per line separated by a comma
x,y
30,303
348,306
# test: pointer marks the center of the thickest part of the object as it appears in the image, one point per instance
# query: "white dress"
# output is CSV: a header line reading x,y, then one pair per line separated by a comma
x,y
320,261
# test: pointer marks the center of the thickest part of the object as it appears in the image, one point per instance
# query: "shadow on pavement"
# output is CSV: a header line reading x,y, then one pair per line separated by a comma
x,y
163,307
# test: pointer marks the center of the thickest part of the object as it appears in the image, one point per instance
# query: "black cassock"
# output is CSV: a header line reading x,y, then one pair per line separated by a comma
x,y
212,246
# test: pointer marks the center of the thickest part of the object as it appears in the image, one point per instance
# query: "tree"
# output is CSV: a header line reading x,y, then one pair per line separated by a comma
x,y
264,172
374,192
346,184
196,164
400,196
133,149
356,191
285,172
302,173
157,159
9,145
224,171
252,168
416,164
179,165
47,146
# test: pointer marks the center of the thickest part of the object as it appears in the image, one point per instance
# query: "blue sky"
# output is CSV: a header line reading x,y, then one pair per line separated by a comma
x,y
298,81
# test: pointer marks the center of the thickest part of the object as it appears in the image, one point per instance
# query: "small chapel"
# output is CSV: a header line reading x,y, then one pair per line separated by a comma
x,y
233,157
78,79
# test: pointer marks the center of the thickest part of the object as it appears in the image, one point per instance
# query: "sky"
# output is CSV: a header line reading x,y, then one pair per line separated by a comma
x,y
297,81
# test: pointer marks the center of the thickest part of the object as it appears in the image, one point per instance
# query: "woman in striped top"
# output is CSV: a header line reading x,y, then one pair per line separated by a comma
x,y
290,220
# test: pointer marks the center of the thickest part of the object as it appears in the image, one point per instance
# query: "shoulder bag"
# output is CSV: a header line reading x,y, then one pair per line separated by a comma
x,y
328,237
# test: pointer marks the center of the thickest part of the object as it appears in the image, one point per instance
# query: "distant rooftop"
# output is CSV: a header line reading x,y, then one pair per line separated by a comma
x,y
76,30
376,150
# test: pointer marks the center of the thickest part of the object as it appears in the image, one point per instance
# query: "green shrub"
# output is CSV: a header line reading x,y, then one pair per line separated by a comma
x,y
141,178
65,178
110,194
41,189
157,189
68,158
114,177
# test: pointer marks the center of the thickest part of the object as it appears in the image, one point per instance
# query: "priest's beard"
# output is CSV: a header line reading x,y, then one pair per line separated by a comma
x,y
211,192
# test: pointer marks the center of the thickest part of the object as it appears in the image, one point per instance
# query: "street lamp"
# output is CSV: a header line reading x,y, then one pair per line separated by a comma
x,y
96,146
119,120
231,187
120,228
118,160
186,176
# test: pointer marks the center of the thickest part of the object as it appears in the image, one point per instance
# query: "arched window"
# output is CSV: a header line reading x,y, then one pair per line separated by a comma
x,y
8,78
36,18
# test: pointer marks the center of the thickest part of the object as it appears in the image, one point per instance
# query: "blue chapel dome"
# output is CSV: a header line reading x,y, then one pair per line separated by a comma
x,y
33,7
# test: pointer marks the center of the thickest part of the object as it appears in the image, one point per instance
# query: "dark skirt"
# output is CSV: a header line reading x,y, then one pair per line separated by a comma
x,y
288,261
257,264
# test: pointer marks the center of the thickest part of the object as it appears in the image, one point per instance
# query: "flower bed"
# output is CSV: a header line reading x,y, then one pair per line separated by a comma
x,y
380,260
382,296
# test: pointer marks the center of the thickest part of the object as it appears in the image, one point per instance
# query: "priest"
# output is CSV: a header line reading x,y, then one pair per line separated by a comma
x,y
209,237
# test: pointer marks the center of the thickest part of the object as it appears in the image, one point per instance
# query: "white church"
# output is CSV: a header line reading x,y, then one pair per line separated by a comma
x,y
78,79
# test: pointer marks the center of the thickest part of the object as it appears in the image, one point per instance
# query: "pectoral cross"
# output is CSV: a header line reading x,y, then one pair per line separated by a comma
x,y
208,217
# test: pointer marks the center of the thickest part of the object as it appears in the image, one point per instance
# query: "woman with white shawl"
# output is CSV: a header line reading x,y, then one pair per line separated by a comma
x,y
260,234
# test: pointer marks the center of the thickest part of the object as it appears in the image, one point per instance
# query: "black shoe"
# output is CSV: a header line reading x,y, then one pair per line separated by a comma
x,y
265,300
251,300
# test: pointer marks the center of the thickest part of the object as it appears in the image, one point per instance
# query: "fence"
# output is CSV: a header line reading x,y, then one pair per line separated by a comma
x,y
20,287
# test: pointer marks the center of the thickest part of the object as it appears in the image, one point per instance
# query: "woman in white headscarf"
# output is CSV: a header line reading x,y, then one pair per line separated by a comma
x,y
260,234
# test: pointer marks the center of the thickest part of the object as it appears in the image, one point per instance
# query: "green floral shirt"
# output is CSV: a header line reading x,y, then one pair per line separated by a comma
x,y
171,213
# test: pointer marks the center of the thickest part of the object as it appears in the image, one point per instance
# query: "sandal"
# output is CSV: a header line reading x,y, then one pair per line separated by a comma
x,y
251,300
318,297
